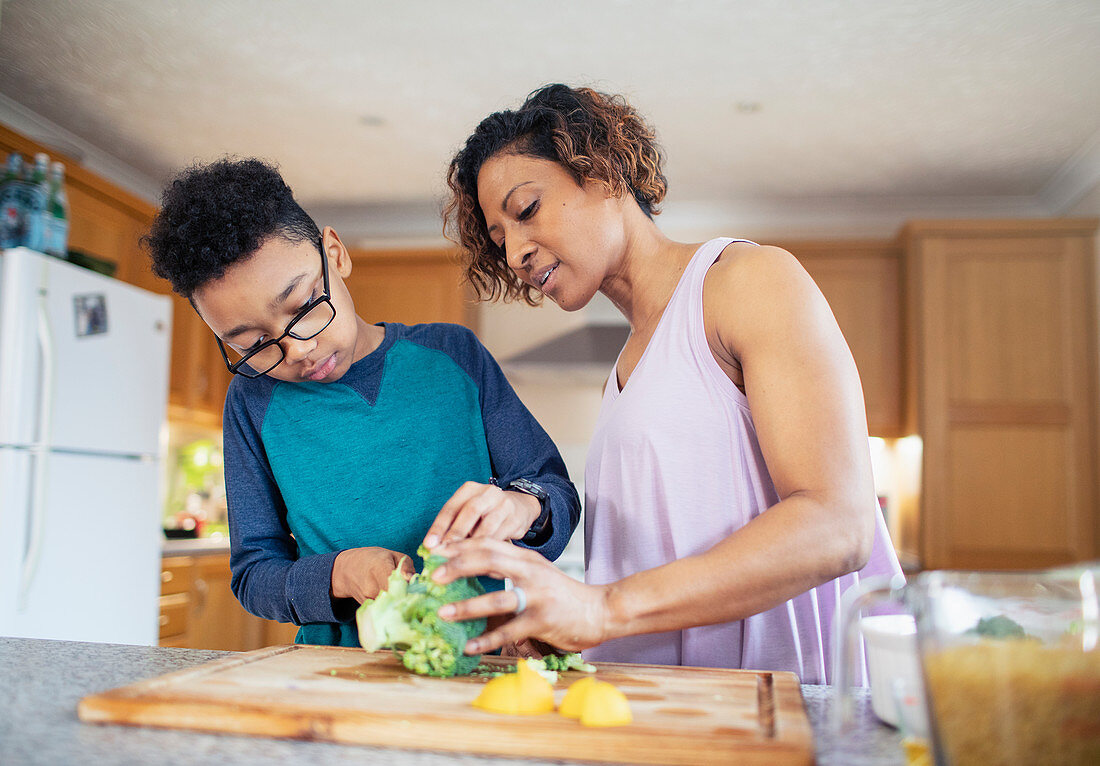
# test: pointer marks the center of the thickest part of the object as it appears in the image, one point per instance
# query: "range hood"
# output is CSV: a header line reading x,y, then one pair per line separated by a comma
x,y
583,354
590,344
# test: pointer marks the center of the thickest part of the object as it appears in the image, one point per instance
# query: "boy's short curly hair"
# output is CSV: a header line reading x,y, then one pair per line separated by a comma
x,y
214,215
593,135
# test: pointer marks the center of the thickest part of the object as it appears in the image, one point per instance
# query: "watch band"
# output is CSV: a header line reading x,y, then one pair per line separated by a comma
x,y
538,528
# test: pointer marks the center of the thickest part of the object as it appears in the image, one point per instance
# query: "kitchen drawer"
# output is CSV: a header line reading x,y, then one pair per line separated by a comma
x,y
176,574
174,611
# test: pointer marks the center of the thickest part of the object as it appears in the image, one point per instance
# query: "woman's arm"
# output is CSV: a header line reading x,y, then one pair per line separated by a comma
x,y
770,329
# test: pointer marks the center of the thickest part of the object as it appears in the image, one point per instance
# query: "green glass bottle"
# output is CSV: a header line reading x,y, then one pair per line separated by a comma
x,y
57,214
12,212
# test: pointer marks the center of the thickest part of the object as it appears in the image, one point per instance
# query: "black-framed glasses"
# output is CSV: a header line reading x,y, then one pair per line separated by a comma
x,y
308,323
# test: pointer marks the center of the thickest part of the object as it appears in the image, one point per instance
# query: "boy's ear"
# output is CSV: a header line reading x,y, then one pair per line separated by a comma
x,y
338,255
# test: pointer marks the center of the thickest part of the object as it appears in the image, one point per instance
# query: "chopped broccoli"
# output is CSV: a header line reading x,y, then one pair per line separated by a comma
x,y
548,666
405,617
568,661
539,666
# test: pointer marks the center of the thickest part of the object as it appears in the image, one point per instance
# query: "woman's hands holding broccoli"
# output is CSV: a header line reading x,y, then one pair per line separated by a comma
x,y
483,510
560,611
361,573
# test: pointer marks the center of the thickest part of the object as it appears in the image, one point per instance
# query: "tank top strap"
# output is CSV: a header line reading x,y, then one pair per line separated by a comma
x,y
701,262
685,311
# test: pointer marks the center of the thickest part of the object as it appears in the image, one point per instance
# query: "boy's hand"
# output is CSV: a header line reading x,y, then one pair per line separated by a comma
x,y
483,510
361,573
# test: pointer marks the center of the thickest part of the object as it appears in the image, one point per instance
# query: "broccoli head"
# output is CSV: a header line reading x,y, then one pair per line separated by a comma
x,y
405,617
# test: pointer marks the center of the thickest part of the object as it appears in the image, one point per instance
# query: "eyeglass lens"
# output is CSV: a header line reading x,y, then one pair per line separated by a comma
x,y
304,327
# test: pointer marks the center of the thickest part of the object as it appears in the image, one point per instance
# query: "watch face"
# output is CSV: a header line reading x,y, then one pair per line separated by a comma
x,y
528,486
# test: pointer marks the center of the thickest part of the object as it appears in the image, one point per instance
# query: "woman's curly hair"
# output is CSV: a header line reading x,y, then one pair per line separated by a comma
x,y
593,135
214,215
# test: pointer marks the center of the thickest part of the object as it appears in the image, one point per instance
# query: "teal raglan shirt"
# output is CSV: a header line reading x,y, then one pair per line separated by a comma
x,y
316,468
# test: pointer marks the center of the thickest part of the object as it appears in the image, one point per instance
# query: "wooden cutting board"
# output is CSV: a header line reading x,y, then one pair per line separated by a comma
x,y
681,714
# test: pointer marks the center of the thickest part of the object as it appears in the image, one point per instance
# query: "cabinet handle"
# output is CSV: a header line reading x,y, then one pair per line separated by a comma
x,y
163,620
166,576
201,589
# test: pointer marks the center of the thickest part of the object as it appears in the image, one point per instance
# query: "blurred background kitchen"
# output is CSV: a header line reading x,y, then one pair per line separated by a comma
x,y
935,165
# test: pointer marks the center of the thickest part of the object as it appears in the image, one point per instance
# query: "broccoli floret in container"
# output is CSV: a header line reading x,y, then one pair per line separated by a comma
x,y
405,617
998,626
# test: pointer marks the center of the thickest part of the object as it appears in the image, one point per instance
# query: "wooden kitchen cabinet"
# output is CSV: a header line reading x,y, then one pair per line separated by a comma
x,y
1002,337
861,280
199,377
410,286
175,600
199,611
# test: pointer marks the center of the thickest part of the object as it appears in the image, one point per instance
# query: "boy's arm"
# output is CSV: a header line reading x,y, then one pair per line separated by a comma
x,y
519,448
269,579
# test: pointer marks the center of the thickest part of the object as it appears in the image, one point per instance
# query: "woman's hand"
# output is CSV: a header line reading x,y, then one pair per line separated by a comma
x,y
361,573
483,510
560,611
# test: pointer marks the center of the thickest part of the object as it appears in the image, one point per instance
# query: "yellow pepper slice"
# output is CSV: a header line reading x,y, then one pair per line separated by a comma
x,y
524,692
572,704
596,703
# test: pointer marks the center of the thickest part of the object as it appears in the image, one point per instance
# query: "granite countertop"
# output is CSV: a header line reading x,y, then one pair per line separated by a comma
x,y
42,682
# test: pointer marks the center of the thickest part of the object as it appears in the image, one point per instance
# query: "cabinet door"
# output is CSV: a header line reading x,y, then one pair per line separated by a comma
x,y
175,600
409,286
199,377
218,621
860,280
199,611
1005,353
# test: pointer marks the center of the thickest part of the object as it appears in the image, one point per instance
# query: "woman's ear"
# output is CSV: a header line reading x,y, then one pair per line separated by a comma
x,y
338,255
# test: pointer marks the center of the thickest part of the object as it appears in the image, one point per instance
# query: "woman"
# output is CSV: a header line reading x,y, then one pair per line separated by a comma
x,y
729,496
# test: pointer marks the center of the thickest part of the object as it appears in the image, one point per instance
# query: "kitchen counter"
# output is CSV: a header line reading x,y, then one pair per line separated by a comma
x,y
42,682
201,546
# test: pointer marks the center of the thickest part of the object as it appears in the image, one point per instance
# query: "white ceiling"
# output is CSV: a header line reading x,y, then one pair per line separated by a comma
x,y
867,112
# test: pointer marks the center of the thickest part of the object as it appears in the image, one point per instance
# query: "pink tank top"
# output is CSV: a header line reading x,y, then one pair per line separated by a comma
x,y
674,467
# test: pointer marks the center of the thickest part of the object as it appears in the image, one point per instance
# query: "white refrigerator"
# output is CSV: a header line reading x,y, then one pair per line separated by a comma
x,y
83,397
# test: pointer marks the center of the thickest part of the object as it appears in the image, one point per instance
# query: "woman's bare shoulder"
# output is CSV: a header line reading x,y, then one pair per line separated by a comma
x,y
747,275
744,260
754,290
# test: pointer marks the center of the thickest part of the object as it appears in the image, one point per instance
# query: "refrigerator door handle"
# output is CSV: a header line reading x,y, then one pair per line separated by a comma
x,y
40,449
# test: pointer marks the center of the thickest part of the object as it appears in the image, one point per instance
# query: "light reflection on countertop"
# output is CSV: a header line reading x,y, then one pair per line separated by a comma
x,y
216,543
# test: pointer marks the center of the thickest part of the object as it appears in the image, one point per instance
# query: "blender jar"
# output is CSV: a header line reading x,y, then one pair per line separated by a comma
x,y
1010,660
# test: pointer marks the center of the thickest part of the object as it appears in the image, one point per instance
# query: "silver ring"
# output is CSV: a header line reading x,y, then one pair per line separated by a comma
x,y
521,599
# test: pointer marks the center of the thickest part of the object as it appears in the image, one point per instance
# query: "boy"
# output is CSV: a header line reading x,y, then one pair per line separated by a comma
x,y
343,440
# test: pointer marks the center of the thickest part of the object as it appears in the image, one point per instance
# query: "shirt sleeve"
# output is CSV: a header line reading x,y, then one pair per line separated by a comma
x,y
518,445
268,577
